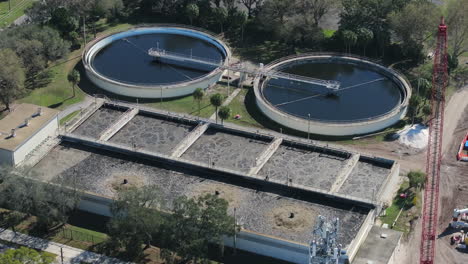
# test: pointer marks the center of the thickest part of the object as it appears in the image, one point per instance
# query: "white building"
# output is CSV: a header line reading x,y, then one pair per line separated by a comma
x,y
23,129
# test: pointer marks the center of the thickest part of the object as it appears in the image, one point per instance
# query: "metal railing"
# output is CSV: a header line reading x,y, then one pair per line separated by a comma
x,y
378,63
338,54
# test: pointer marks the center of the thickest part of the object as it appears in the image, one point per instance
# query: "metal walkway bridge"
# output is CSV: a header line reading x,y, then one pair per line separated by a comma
x,y
165,55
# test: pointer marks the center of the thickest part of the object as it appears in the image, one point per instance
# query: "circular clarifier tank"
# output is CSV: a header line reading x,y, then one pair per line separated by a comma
x,y
371,97
121,63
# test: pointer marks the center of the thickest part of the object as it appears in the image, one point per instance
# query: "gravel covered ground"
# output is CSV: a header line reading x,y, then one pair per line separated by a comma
x,y
364,181
98,122
305,167
153,134
259,211
226,150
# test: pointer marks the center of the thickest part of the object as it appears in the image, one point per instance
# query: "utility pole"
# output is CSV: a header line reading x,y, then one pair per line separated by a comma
x,y
9,5
308,128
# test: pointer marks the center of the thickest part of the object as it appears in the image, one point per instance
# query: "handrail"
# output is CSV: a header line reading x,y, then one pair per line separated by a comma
x,y
337,54
166,85
342,55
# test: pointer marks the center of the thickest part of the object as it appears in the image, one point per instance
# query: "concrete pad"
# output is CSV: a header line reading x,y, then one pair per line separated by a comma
x,y
98,122
378,250
258,210
365,180
307,167
227,150
152,134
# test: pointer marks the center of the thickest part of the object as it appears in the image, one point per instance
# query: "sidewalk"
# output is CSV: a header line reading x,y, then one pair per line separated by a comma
x,y
76,107
71,255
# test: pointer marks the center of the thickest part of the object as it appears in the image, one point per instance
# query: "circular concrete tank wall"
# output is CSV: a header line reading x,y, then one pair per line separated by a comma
x,y
371,96
120,63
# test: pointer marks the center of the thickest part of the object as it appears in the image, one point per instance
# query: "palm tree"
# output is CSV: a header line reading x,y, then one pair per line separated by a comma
x,y
216,100
74,77
198,95
364,37
350,39
224,113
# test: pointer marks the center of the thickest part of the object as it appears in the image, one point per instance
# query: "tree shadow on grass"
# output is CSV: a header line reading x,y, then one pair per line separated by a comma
x,y
39,80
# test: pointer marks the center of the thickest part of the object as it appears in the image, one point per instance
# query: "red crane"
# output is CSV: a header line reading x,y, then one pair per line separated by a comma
x,y
434,149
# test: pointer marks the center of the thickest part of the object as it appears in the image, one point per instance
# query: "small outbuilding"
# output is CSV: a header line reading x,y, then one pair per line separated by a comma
x,y
23,130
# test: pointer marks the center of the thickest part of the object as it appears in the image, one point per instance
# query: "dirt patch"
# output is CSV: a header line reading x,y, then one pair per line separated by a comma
x,y
123,181
229,193
292,217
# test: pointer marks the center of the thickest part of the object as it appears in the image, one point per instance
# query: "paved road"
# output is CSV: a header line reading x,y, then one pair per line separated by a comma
x,y
71,255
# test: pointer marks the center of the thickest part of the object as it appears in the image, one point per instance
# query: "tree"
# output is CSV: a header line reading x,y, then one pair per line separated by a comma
x,y
64,21
224,113
349,39
32,55
220,14
198,95
25,255
274,12
194,225
105,8
50,203
371,14
364,36
316,9
417,179
12,77
22,38
230,5
414,105
135,219
250,5
427,110
192,12
74,77
413,24
216,100
241,19
457,22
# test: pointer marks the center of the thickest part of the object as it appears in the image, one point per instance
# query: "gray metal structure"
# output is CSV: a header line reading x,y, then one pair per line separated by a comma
x,y
169,56
324,247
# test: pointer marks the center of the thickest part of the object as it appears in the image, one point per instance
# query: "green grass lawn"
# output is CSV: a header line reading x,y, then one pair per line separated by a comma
x,y
188,105
409,211
58,93
328,33
238,108
17,9
68,117
4,6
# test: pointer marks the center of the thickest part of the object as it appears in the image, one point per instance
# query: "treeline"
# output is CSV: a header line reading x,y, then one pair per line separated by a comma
x,y
398,32
25,52
186,230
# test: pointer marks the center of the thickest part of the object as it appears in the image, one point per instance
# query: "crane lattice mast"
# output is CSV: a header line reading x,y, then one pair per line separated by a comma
x,y
434,149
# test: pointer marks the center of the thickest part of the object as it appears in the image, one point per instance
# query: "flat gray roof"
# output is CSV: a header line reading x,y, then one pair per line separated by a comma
x,y
378,250
15,120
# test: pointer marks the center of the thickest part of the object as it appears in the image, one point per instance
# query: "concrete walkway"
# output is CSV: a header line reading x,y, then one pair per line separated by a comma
x,y
71,255
76,107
